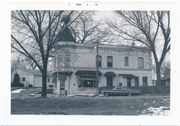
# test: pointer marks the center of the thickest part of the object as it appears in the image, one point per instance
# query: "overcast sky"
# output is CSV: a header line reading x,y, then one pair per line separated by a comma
x,y
102,14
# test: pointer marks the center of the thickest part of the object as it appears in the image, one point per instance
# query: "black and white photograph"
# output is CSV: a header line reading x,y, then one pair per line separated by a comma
x,y
113,63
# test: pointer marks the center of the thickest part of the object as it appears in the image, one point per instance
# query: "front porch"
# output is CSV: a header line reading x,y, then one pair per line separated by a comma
x,y
62,82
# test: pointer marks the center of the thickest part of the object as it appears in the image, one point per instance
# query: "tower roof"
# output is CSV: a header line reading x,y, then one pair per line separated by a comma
x,y
66,36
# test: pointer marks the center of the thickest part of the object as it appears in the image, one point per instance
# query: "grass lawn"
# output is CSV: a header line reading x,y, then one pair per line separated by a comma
x,y
120,105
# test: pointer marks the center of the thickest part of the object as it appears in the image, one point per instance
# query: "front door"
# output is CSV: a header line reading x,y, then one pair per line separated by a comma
x,y
62,86
137,81
109,81
129,82
62,79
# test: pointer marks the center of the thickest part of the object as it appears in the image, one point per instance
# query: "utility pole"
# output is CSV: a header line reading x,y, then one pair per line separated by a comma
x,y
97,65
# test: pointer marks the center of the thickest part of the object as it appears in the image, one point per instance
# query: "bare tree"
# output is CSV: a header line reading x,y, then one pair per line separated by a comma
x,y
38,31
149,28
24,61
165,69
87,29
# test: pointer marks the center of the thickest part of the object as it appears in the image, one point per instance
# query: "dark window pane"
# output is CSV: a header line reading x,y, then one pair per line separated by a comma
x,y
88,83
145,82
137,81
23,79
109,61
129,82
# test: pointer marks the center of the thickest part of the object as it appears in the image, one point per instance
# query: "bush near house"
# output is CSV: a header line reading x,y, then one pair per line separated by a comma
x,y
144,89
30,85
17,84
49,91
16,81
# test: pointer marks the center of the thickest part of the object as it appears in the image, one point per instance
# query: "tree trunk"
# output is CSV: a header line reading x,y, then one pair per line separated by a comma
x,y
158,76
44,85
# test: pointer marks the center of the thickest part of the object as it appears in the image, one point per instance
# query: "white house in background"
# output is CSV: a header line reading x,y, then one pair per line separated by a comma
x,y
30,77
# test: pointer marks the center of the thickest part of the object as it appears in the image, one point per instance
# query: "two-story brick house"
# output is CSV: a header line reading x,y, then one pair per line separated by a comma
x,y
119,65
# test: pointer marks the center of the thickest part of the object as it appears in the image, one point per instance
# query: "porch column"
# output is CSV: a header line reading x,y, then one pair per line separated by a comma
x,y
55,84
68,85
58,85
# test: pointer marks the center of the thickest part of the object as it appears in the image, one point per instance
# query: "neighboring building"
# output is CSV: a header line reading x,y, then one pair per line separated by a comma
x,y
119,65
30,77
165,81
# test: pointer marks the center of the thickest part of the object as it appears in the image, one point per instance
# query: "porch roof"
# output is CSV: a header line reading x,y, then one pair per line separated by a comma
x,y
127,75
85,72
63,73
112,74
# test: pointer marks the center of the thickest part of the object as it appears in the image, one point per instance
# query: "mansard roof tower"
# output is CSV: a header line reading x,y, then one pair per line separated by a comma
x,y
66,35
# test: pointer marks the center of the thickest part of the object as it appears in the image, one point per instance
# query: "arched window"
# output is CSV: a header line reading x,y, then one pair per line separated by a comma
x,y
145,81
109,61
140,62
126,61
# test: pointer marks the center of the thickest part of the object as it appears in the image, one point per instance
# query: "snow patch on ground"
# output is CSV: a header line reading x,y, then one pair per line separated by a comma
x,y
17,91
161,111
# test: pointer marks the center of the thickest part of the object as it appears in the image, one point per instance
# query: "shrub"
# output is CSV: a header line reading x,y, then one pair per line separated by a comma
x,y
16,79
49,91
30,85
20,85
17,85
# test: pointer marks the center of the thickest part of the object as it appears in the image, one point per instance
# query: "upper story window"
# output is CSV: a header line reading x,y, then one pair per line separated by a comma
x,y
99,61
63,60
140,62
48,79
126,62
67,60
60,59
109,61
